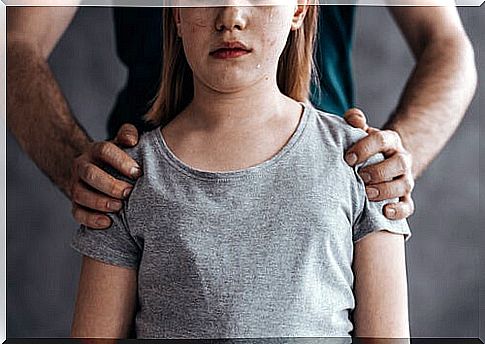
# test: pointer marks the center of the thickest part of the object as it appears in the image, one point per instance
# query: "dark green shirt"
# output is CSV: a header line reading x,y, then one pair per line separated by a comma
x,y
138,42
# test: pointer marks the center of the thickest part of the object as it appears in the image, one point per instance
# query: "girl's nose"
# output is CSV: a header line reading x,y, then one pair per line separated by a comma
x,y
232,18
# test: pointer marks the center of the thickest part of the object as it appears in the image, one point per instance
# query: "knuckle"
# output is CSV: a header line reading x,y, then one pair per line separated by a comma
x,y
389,190
381,137
100,204
395,137
363,148
403,162
408,184
115,189
409,160
101,149
380,174
105,148
77,213
411,206
411,184
392,192
89,173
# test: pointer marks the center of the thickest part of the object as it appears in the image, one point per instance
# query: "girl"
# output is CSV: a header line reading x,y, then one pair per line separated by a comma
x,y
247,222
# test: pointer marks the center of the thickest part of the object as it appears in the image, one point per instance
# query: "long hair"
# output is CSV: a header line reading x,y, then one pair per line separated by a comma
x,y
295,68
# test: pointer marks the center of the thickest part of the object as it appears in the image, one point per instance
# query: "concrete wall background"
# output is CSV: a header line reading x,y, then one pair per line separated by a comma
x,y
443,255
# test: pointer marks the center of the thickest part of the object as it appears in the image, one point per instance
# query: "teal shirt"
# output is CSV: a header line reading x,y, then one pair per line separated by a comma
x,y
333,55
138,44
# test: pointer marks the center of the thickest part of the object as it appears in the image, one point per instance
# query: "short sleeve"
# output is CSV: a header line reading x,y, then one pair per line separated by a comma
x,y
371,217
114,246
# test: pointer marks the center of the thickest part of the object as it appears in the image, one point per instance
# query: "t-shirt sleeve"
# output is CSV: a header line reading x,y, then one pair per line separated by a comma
x,y
371,217
114,246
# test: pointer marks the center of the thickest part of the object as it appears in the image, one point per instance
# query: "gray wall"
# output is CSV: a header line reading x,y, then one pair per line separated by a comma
x,y
443,255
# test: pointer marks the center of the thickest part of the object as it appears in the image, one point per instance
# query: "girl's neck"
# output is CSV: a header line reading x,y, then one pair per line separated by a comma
x,y
246,107
232,131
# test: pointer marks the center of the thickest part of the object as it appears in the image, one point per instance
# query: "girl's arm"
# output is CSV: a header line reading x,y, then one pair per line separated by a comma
x,y
381,286
106,301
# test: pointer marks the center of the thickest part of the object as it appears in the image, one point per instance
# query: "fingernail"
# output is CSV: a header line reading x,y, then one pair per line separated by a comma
x,y
135,172
114,205
102,221
391,213
351,158
372,192
132,139
127,192
365,177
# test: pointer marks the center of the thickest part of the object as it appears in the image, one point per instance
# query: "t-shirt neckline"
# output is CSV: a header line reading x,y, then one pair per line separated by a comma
x,y
190,171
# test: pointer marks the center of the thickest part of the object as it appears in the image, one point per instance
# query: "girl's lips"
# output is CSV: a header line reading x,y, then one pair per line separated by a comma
x,y
229,53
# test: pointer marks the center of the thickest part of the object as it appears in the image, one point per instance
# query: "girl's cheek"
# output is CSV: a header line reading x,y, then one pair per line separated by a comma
x,y
197,17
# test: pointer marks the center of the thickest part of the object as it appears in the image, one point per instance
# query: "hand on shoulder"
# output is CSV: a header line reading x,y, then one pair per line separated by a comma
x,y
94,192
391,178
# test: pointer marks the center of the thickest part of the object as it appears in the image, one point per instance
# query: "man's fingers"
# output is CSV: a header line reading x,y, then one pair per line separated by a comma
x,y
102,181
356,118
109,153
127,136
388,190
401,210
89,218
379,141
397,165
82,195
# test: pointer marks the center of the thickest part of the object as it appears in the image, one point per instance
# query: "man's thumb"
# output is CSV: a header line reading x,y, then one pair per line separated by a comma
x,y
356,118
127,136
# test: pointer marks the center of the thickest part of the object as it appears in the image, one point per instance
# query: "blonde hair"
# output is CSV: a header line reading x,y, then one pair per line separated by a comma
x,y
295,68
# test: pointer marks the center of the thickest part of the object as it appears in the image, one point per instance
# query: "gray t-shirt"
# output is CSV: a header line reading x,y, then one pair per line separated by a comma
x,y
260,252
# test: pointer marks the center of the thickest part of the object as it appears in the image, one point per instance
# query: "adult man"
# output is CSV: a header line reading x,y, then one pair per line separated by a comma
x,y
430,109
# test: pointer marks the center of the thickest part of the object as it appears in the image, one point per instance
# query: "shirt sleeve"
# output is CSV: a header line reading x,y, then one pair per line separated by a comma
x,y
371,217
114,246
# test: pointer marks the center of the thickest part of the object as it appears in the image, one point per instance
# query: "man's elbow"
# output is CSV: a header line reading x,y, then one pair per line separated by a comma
x,y
461,52
469,62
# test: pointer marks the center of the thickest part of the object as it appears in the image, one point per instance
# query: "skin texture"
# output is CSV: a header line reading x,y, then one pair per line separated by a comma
x,y
106,294
431,107
380,286
106,301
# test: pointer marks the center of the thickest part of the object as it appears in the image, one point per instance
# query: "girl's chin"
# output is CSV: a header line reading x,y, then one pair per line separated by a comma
x,y
235,82
234,87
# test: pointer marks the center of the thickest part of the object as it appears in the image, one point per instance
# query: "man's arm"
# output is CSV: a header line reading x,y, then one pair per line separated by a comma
x,y
442,84
381,286
37,112
106,301
40,119
431,107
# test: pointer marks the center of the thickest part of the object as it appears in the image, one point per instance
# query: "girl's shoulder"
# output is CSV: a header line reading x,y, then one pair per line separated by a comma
x,y
334,129
147,148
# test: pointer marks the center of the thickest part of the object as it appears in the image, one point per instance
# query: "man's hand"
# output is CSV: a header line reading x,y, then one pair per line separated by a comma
x,y
391,178
95,192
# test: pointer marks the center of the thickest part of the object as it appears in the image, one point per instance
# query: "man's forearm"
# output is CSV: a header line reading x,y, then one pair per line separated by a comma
x,y
38,114
435,99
